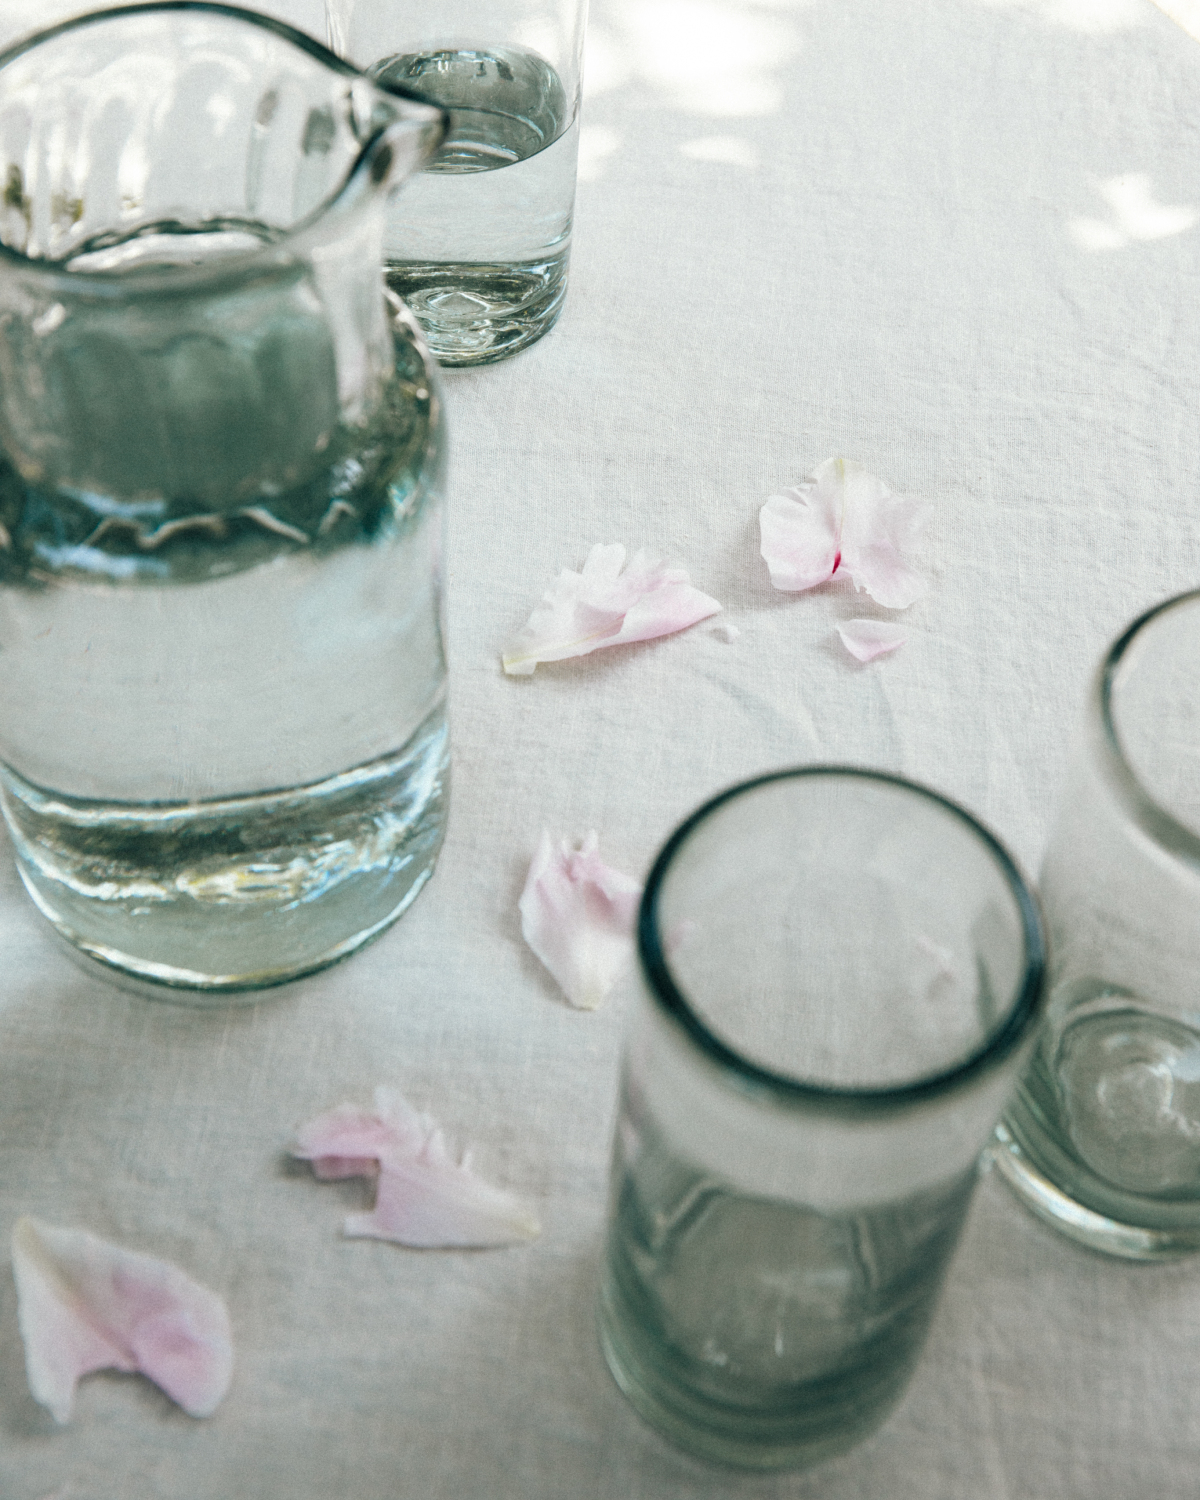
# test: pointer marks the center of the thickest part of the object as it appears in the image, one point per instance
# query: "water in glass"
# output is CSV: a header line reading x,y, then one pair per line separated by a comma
x,y
478,243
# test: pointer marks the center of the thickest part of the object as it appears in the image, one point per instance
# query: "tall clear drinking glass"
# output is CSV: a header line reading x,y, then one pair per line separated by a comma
x,y
478,244
841,974
1103,1136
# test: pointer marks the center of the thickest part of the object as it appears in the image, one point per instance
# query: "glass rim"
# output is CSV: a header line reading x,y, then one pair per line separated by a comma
x,y
103,283
864,1102
1155,820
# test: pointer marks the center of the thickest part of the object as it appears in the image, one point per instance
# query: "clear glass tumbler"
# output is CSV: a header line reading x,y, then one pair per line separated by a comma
x,y
1103,1136
478,244
842,971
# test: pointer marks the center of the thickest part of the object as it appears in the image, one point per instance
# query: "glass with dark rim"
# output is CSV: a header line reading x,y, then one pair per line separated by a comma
x,y
1102,1138
842,970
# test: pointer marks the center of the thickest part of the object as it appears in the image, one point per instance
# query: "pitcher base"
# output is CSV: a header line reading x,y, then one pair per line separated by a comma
x,y
214,898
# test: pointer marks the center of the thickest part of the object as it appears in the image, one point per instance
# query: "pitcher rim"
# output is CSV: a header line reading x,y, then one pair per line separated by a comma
x,y
178,278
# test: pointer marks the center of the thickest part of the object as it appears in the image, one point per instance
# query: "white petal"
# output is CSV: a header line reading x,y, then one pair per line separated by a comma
x,y
843,520
880,531
578,914
605,606
423,1197
799,531
349,1141
84,1304
431,1202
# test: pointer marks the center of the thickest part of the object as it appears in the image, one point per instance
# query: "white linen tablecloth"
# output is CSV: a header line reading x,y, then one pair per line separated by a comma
x,y
957,240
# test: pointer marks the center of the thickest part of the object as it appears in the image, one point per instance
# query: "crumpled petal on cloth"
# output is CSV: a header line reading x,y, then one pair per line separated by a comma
x,y
84,1304
867,639
350,1141
603,606
842,518
578,915
423,1198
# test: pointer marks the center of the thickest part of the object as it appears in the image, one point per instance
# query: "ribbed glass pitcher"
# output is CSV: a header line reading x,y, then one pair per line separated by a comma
x,y
223,745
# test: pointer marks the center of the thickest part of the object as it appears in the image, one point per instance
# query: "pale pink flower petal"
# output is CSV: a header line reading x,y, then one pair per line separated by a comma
x,y
84,1304
799,533
423,1197
843,519
350,1142
605,606
867,639
577,914
431,1201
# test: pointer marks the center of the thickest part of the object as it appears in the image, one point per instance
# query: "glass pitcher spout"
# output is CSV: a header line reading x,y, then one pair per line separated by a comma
x,y
191,216
189,96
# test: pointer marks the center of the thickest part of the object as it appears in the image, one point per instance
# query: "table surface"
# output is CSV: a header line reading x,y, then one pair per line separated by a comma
x,y
956,240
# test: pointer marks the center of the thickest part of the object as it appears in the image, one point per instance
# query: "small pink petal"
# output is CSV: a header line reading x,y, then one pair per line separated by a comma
x,y
577,914
423,1197
843,519
84,1305
605,606
431,1202
867,639
349,1141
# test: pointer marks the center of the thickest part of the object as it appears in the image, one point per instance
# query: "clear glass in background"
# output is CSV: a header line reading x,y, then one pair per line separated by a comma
x,y
478,244
842,971
1103,1136
223,745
